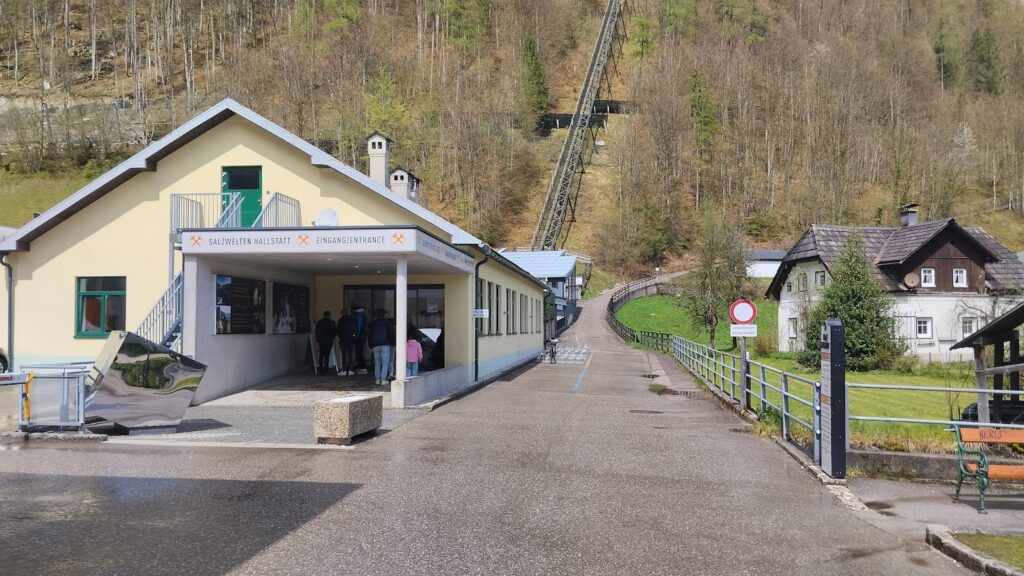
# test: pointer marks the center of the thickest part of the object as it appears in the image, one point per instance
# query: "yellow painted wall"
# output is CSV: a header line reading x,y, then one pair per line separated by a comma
x,y
494,347
125,232
3,308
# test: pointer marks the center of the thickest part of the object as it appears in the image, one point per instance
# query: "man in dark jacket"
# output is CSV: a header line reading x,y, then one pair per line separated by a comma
x,y
325,339
359,313
347,342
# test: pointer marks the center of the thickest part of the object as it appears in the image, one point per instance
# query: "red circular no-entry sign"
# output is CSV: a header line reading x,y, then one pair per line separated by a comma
x,y
743,311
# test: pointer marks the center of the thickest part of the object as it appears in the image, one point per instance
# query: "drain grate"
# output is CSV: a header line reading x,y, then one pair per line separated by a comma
x,y
645,412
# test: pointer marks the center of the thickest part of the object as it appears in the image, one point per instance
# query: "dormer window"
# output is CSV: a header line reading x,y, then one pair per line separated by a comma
x,y
928,277
959,277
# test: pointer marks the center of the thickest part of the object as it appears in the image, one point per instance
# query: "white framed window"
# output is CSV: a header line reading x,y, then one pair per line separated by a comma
x,y
969,325
789,286
819,278
924,328
801,283
792,327
928,277
959,277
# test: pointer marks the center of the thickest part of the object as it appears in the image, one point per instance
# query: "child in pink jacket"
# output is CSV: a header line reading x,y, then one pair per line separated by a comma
x,y
414,354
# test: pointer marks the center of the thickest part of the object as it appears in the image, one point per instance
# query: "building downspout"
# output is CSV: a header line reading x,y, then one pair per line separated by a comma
x,y
10,311
476,302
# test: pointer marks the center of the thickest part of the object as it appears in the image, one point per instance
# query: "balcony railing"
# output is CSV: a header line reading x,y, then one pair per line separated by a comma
x,y
281,211
208,210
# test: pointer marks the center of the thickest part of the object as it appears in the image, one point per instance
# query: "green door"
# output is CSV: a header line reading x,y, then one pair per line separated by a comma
x,y
248,181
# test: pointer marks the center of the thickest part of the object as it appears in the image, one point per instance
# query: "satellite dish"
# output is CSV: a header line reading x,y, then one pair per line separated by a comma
x,y
327,217
912,280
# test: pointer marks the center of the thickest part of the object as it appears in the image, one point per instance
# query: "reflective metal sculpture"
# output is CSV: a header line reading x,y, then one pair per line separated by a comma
x,y
136,384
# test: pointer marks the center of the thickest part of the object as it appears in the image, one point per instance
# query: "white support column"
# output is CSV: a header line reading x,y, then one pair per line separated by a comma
x,y
190,305
401,316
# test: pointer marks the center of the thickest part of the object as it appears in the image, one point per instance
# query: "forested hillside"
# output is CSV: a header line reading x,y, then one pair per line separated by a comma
x,y
785,113
458,85
777,113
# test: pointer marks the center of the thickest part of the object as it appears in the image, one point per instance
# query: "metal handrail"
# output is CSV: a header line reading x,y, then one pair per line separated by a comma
x,y
206,210
549,225
281,211
163,322
232,215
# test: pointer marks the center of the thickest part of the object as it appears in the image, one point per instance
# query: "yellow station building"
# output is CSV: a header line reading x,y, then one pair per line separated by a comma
x,y
229,237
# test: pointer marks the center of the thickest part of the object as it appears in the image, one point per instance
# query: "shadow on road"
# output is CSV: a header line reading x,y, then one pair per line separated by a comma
x,y
53,524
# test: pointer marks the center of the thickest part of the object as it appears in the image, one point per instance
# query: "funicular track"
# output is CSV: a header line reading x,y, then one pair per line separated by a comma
x,y
563,191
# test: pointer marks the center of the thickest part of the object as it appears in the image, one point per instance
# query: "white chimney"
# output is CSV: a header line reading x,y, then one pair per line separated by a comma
x,y
405,184
378,147
908,215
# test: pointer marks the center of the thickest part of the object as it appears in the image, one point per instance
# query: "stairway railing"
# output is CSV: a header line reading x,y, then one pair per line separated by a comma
x,y
163,323
206,210
281,211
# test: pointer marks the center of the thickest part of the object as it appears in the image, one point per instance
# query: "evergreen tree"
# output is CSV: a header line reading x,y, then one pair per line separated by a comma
x,y
704,117
947,56
984,65
855,297
536,96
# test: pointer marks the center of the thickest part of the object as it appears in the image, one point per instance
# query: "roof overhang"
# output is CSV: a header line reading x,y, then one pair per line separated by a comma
x,y
951,223
348,250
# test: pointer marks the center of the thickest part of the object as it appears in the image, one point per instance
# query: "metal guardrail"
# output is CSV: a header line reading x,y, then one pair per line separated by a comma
x,y
794,397
206,210
556,203
163,322
281,211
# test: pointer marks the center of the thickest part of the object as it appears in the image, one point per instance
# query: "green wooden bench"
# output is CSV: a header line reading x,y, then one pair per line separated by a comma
x,y
973,464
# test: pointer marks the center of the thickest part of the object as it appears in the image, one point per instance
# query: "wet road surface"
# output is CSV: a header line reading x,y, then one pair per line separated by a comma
x,y
557,469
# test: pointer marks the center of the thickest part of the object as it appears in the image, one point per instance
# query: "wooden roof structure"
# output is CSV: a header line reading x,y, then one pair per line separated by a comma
x,y
888,247
1000,334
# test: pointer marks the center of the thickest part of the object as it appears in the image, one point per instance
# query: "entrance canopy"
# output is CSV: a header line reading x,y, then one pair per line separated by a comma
x,y
338,250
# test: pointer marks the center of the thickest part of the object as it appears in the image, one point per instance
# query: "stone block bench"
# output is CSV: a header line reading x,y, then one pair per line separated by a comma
x,y
339,420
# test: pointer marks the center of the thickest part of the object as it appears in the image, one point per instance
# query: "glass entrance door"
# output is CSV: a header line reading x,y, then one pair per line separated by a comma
x,y
426,314
247,181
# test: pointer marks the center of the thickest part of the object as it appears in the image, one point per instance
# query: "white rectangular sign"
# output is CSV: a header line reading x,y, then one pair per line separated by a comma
x,y
481,313
325,241
739,330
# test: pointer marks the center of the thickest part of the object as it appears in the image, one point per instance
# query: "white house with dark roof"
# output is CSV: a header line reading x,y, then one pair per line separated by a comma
x,y
946,280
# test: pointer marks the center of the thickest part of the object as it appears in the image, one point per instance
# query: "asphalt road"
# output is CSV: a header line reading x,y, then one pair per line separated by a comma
x,y
559,469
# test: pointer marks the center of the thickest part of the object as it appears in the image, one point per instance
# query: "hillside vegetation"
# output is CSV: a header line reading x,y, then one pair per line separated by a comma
x,y
785,113
458,85
778,113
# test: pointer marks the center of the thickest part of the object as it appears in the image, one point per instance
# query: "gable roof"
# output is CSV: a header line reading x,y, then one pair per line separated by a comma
x,y
906,241
1008,272
146,160
885,246
543,263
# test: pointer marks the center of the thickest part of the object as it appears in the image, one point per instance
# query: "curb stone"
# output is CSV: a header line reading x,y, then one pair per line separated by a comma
x,y
52,436
942,539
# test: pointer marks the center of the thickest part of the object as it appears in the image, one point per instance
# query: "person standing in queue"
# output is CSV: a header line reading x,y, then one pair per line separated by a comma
x,y
381,337
347,342
360,343
413,353
325,331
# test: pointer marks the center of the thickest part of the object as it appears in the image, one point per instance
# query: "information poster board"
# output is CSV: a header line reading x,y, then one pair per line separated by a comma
x,y
241,305
291,309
